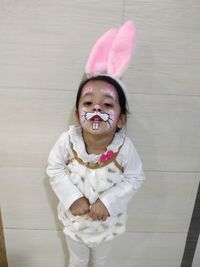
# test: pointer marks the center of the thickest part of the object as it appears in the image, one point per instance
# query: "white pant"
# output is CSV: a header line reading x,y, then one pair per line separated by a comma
x,y
79,254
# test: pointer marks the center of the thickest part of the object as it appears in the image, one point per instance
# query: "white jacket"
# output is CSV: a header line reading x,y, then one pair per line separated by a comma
x,y
71,180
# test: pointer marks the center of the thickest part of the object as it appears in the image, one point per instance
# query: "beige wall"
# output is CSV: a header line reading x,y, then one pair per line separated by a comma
x,y
44,45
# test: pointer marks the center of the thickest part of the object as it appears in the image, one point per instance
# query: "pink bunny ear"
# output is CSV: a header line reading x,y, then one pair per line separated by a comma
x,y
121,50
97,62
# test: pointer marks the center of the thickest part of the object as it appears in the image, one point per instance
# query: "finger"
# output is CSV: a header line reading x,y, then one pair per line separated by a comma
x,y
90,214
81,213
84,211
104,218
93,216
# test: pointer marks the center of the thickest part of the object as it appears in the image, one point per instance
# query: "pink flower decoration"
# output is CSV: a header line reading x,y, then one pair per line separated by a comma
x,y
102,158
106,156
110,154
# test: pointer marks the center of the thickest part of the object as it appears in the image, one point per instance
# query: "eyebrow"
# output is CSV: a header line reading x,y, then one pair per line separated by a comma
x,y
87,94
105,95
109,96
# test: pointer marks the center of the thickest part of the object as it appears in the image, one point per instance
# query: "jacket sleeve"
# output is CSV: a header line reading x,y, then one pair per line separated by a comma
x,y
58,174
116,198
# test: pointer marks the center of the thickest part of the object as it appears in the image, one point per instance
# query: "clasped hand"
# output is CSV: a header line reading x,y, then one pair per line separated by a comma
x,y
97,211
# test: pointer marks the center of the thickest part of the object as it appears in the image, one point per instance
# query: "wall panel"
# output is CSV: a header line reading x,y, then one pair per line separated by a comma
x,y
45,43
167,58
47,248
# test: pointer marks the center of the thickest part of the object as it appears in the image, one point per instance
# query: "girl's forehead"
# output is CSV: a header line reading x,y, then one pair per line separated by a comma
x,y
99,87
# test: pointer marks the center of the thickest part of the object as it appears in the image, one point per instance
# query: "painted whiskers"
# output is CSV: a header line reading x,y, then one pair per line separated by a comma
x,y
97,117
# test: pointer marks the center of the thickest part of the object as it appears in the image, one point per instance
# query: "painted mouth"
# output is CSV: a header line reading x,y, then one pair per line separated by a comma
x,y
96,118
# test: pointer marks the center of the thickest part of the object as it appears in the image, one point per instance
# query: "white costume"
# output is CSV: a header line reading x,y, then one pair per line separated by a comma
x,y
114,176
74,173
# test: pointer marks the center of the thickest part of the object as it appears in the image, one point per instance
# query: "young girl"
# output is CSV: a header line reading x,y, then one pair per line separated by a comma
x,y
94,168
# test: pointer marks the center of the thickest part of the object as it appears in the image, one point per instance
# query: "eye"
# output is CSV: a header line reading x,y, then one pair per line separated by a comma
x,y
108,105
87,103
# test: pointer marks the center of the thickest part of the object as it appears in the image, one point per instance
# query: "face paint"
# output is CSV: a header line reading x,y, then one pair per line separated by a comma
x,y
91,116
112,118
87,90
95,126
109,92
96,117
99,108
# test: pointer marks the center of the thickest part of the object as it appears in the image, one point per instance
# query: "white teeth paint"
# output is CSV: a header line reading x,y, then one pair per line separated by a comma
x,y
95,126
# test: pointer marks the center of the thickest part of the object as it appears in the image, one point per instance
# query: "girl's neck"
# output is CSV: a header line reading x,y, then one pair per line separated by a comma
x,y
96,144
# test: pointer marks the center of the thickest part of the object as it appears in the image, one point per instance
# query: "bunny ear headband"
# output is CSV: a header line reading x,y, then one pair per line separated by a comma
x,y
111,54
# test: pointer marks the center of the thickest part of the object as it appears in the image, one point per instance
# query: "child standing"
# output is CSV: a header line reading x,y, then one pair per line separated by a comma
x,y
94,168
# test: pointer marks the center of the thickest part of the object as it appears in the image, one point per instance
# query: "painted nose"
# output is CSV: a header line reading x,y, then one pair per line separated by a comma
x,y
97,107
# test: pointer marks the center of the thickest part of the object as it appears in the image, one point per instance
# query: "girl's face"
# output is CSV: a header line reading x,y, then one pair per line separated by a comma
x,y
99,109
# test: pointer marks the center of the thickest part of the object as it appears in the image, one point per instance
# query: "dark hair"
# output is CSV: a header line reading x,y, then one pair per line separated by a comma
x,y
121,95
